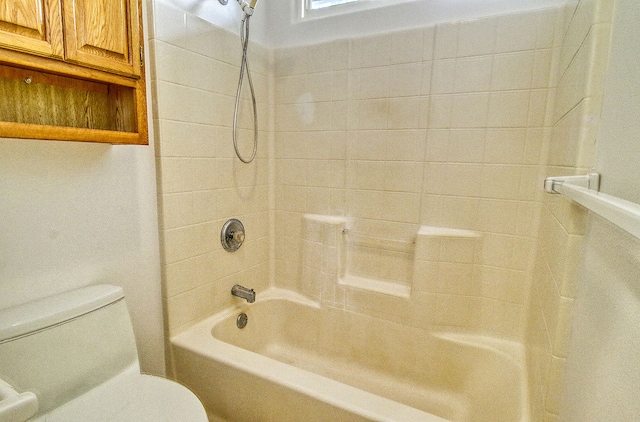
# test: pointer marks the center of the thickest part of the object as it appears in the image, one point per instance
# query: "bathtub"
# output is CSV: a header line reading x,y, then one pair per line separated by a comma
x,y
298,361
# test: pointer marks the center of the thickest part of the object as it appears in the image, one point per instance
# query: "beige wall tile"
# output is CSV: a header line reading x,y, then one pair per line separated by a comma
x,y
407,46
188,274
542,67
460,212
501,181
179,244
474,74
463,179
477,37
497,250
508,109
177,210
470,110
555,385
370,175
169,24
403,177
562,340
546,27
404,113
537,108
505,146
459,250
467,146
370,51
405,145
437,148
406,80
513,71
446,41
497,216
429,36
514,32
319,56
402,207
372,82
340,58
444,76
440,111
371,114
452,310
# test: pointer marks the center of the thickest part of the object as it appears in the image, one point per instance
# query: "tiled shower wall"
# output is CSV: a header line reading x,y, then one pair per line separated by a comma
x,y
200,182
581,49
435,126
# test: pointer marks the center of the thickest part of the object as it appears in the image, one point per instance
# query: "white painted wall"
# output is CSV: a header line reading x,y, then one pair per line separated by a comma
x,y
74,214
603,381
618,147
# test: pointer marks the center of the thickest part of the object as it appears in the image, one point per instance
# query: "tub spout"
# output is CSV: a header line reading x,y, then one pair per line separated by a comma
x,y
244,293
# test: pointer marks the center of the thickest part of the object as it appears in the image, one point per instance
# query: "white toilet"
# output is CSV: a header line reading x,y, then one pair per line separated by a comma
x,y
73,357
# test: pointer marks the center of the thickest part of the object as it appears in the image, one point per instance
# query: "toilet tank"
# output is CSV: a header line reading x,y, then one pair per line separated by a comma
x,y
62,346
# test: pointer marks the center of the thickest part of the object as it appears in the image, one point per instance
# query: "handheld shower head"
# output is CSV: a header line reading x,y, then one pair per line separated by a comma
x,y
247,7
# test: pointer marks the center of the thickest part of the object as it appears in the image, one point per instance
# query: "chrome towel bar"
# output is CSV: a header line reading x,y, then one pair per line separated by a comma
x,y
585,191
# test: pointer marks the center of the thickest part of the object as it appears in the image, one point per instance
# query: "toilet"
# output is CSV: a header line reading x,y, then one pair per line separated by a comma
x,y
72,357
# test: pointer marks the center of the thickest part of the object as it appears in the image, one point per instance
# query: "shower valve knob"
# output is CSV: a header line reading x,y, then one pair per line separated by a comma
x,y
232,235
238,236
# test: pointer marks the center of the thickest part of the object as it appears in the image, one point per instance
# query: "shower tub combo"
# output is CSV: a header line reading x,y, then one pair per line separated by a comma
x,y
299,361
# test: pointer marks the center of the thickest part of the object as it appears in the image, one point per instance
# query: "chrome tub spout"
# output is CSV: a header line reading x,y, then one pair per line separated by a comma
x,y
242,292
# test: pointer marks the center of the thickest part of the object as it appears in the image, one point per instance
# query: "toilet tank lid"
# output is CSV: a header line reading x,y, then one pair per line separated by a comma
x,y
42,313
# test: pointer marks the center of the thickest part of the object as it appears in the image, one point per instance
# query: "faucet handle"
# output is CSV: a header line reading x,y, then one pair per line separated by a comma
x,y
237,236
232,235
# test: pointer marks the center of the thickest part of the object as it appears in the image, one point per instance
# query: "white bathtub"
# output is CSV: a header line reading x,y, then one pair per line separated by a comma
x,y
297,361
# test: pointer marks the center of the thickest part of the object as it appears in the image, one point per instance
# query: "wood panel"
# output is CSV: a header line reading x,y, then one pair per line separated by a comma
x,y
29,61
30,131
121,107
103,34
34,26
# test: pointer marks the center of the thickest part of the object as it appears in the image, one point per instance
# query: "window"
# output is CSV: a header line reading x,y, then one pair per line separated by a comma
x,y
320,9
321,4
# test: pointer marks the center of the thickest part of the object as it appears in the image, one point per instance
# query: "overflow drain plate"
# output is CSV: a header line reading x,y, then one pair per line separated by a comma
x,y
242,320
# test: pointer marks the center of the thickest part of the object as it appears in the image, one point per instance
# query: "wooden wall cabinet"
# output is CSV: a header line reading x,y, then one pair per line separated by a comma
x,y
100,34
72,70
34,26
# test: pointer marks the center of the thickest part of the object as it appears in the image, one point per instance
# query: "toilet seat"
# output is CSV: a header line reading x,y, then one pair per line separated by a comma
x,y
131,396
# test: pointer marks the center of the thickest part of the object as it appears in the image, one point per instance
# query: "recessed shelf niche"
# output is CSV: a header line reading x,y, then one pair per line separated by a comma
x,y
34,101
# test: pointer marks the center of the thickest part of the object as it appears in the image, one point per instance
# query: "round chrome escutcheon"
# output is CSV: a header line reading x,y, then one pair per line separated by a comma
x,y
232,235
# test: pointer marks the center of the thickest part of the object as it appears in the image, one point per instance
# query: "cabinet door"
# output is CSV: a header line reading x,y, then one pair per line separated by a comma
x,y
103,34
33,26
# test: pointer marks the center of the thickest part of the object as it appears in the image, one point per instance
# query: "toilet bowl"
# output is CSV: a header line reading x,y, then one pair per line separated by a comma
x,y
73,357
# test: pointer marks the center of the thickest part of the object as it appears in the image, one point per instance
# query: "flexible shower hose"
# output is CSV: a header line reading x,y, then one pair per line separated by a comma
x,y
244,39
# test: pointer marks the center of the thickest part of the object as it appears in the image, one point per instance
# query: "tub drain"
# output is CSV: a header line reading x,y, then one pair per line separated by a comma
x,y
242,320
